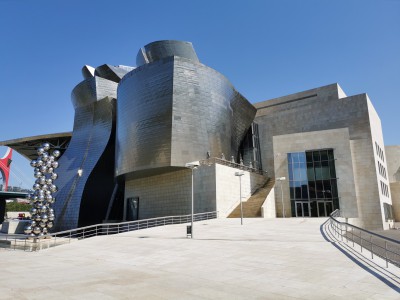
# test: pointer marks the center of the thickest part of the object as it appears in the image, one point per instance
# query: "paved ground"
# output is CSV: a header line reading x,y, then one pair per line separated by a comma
x,y
263,259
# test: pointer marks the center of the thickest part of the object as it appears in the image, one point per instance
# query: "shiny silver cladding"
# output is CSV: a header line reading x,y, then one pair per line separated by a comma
x,y
162,49
94,103
174,111
93,89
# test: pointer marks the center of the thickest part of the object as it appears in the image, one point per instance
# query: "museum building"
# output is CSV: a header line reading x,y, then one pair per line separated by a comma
x,y
136,128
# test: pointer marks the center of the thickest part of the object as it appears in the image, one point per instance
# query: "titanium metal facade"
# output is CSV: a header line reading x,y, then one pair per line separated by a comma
x,y
173,110
168,111
83,199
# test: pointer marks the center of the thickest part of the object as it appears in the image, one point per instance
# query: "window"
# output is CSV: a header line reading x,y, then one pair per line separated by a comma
x,y
388,210
313,182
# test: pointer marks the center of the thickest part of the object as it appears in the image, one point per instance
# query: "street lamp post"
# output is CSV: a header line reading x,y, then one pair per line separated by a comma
x,y
192,165
240,174
281,179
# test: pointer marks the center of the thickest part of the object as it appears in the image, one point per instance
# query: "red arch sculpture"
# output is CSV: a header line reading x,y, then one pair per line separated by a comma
x,y
5,163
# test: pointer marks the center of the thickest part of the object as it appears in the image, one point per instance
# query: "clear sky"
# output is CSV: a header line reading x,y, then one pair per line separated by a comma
x,y
265,48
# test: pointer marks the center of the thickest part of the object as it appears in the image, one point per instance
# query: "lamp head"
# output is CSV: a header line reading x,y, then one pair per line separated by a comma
x,y
192,165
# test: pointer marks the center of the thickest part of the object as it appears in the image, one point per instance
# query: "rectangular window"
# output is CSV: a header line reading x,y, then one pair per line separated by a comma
x,y
312,178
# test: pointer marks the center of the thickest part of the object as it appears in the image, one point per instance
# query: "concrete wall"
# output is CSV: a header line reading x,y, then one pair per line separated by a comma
x,y
228,187
338,140
393,170
368,209
321,109
215,188
268,209
393,162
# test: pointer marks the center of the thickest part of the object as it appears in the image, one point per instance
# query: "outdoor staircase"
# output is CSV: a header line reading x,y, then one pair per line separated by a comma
x,y
252,207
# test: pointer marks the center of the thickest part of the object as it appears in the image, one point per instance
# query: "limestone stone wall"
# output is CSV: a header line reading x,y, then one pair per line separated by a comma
x,y
393,162
322,109
338,140
228,187
216,188
369,208
395,191
393,170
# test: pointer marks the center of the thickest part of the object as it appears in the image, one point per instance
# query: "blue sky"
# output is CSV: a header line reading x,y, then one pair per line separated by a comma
x,y
265,48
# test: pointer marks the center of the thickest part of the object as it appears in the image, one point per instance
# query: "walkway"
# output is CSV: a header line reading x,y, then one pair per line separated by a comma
x,y
263,259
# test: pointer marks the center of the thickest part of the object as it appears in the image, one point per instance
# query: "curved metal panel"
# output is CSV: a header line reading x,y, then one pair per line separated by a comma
x,y
144,110
174,111
92,135
163,49
91,90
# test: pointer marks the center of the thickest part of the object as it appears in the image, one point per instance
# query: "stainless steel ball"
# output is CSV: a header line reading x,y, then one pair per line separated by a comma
x,y
41,198
33,223
43,169
36,186
38,218
28,229
56,153
52,158
54,164
39,162
53,188
42,224
36,230
49,181
49,198
50,224
54,176
48,165
40,151
33,211
50,170
46,146
33,163
45,187
45,231
37,174
51,217
41,180
45,217
45,156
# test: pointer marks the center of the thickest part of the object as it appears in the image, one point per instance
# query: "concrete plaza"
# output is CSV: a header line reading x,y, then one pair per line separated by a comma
x,y
263,259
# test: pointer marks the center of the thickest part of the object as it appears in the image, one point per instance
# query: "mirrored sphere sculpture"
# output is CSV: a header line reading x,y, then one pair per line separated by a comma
x,y
42,212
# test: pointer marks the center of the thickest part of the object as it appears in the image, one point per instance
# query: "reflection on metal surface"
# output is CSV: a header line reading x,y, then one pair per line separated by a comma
x,y
88,163
173,109
42,199
162,49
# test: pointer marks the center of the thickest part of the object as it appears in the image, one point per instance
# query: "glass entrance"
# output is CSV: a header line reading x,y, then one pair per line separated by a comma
x,y
313,183
302,209
325,208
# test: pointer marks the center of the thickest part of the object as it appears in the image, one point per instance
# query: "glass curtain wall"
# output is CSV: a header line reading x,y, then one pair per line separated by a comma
x,y
313,183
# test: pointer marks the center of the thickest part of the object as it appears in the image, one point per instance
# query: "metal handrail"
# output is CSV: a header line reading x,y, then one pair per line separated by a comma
x,y
214,160
379,245
22,242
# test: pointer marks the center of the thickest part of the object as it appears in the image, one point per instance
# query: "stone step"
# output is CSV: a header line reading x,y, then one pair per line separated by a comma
x,y
252,207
